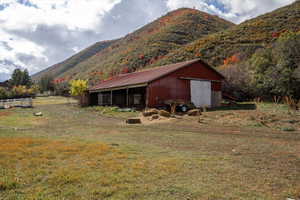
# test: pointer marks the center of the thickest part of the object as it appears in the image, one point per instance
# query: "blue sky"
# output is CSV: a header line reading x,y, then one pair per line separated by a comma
x,y
36,34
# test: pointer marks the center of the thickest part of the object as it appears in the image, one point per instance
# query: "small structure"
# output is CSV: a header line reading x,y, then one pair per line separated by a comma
x,y
191,81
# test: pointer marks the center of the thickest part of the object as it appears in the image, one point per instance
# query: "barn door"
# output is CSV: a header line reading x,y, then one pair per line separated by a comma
x,y
201,93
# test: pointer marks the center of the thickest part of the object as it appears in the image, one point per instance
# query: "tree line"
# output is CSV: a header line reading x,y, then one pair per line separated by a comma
x,y
269,72
20,85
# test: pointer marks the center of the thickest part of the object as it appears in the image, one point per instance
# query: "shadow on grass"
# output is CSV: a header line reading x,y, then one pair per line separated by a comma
x,y
247,106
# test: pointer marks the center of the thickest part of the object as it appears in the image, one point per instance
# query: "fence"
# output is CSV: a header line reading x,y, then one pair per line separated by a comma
x,y
22,102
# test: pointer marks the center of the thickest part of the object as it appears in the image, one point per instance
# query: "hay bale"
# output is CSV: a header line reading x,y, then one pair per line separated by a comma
x,y
194,112
164,113
133,121
150,112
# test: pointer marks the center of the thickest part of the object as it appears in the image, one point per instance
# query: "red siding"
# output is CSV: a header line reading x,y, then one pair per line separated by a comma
x,y
172,87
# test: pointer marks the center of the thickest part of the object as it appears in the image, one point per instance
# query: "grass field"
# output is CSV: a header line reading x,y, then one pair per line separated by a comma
x,y
85,153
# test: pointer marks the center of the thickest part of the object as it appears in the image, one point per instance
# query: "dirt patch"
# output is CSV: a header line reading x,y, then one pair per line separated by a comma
x,y
161,119
5,114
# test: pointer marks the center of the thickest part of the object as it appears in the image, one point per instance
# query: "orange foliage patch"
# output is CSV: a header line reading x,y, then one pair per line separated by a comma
x,y
125,70
198,54
232,60
59,80
278,33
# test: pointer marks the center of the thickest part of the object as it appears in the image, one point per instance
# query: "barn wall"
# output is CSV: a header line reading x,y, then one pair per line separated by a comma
x,y
216,98
172,87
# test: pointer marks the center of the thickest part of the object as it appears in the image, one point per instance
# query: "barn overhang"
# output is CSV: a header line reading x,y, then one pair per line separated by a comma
x,y
125,96
119,88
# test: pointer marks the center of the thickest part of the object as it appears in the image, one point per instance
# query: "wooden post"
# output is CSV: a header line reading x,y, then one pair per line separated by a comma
x,y
147,97
127,97
30,102
111,98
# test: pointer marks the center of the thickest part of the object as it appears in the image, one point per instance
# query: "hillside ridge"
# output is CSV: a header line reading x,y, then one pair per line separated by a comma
x,y
241,40
142,47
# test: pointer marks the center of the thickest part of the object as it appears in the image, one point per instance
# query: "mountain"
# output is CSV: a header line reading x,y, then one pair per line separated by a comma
x,y
178,36
68,64
139,49
239,41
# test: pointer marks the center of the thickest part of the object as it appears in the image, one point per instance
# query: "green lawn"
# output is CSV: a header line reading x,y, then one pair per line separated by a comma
x,y
85,153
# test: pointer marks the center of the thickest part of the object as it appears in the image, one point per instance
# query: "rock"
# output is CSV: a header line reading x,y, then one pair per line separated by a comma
x,y
194,112
38,114
133,121
154,117
164,113
150,112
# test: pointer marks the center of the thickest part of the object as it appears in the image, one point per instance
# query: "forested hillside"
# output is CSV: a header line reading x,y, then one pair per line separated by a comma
x,y
247,53
141,48
260,57
242,40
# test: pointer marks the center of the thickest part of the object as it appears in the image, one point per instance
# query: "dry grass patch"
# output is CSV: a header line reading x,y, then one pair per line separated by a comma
x,y
46,169
53,100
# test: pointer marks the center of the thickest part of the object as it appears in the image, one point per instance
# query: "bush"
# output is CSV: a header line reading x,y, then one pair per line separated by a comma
x,y
3,93
18,92
288,129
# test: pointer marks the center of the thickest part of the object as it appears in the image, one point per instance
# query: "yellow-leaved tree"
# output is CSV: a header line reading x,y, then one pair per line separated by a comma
x,y
78,89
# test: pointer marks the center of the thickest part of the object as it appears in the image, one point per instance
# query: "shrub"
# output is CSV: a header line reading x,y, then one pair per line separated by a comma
x,y
3,93
18,92
288,129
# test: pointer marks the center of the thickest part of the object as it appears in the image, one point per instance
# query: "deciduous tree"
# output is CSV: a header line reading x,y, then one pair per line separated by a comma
x,y
78,88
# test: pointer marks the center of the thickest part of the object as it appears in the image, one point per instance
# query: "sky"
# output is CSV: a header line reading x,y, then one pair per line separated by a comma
x,y
35,34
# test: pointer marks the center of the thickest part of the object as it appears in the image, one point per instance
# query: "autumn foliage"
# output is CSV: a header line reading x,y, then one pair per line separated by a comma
x,y
232,59
142,48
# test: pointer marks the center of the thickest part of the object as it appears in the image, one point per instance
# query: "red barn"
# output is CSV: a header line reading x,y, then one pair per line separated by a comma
x,y
191,81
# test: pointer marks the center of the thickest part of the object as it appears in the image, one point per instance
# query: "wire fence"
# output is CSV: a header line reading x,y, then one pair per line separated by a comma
x,y
21,102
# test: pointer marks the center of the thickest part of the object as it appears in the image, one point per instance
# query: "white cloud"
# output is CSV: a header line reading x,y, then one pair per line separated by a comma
x,y
12,55
23,41
234,10
83,14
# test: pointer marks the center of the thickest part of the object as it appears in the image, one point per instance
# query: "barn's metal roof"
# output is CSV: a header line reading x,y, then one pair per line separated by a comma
x,y
142,77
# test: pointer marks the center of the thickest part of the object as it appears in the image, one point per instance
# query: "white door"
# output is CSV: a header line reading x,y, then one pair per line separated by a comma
x,y
201,93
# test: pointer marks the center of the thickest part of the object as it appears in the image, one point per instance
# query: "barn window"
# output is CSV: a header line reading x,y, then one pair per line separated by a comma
x,y
104,99
137,99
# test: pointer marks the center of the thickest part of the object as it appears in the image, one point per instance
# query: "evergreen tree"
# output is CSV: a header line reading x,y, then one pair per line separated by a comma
x,y
46,83
20,77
